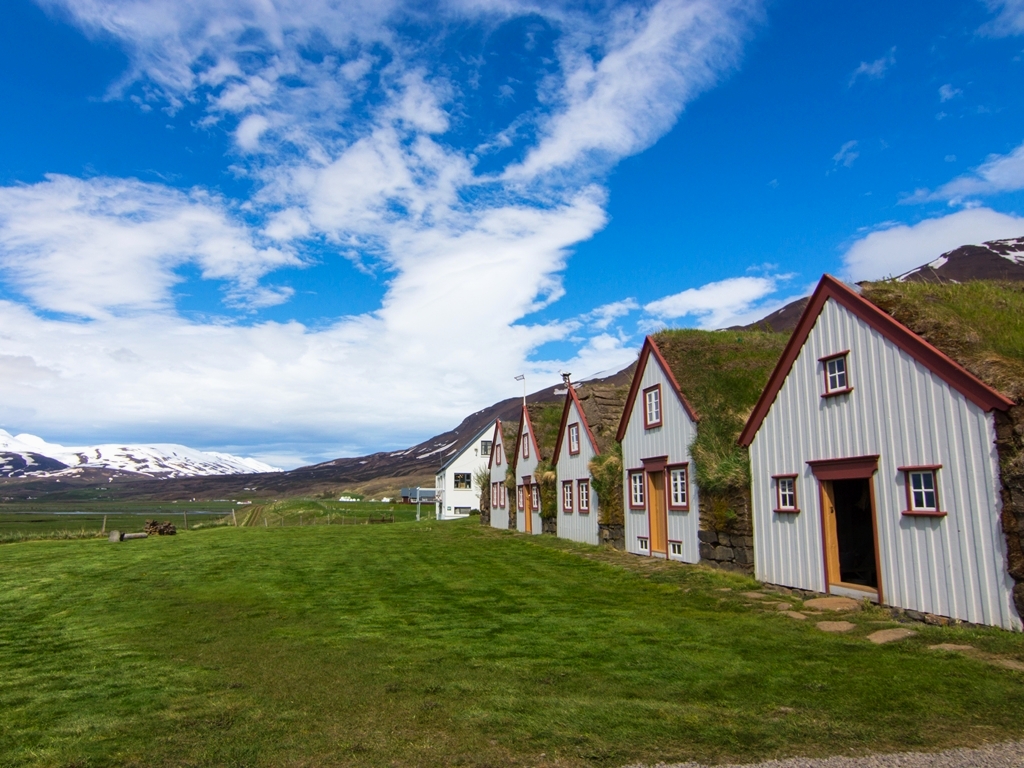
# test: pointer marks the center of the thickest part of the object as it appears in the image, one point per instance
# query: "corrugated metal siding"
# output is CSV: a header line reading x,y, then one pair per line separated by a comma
x,y
952,566
671,439
573,525
499,515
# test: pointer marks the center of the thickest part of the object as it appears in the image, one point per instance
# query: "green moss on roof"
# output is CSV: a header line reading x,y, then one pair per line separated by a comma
x,y
545,418
722,374
980,324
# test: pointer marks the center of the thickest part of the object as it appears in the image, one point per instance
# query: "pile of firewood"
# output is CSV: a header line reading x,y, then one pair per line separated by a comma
x,y
155,528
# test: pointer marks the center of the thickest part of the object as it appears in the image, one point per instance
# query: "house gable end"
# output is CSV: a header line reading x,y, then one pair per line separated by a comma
x,y
648,349
571,399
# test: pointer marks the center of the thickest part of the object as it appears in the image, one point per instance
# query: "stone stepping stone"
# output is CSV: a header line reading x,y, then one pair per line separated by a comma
x,y
951,647
795,615
783,606
1017,666
833,603
890,635
835,626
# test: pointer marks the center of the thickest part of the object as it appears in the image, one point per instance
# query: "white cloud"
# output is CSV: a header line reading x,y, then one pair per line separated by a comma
x,y
947,92
900,247
1009,21
466,257
999,173
733,301
846,154
876,69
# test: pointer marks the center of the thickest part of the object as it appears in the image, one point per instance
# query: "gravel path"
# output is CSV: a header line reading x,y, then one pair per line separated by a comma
x,y
1008,755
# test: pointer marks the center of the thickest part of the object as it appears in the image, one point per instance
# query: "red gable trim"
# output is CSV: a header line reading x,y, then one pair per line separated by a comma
x,y
572,397
519,439
495,441
940,364
649,348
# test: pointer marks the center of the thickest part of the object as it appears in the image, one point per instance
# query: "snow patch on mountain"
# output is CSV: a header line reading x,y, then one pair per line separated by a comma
x,y
29,455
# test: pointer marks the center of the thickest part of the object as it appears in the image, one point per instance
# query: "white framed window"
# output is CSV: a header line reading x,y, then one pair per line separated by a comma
x,y
485,447
643,544
636,490
584,495
676,548
837,378
679,490
785,493
574,438
463,481
567,496
520,498
526,444
923,494
535,497
652,406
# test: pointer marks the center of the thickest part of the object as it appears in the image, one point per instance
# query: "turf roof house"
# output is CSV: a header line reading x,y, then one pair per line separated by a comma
x,y
454,484
574,448
501,505
874,468
657,427
525,459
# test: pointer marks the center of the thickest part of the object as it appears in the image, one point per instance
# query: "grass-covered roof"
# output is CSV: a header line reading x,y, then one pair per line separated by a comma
x,y
722,374
980,324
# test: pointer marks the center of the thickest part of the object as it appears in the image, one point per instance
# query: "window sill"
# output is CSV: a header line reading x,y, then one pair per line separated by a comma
x,y
786,511
584,512
652,426
837,392
637,509
924,513
678,509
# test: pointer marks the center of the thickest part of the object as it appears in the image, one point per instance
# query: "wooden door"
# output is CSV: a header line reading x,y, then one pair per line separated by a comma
x,y
528,504
829,532
657,513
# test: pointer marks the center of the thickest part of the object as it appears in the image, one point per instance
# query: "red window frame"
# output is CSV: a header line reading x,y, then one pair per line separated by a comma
x,y
567,500
494,494
779,509
535,498
923,512
520,498
583,494
526,444
845,355
648,424
497,456
685,467
643,491
502,496
574,432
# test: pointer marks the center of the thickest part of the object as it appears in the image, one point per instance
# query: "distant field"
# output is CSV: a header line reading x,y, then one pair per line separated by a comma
x,y
78,519
440,644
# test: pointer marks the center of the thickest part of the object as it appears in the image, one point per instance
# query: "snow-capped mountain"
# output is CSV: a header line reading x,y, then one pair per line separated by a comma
x,y
994,260
28,455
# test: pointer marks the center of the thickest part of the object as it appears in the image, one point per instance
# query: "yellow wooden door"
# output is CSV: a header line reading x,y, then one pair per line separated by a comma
x,y
528,506
657,512
831,538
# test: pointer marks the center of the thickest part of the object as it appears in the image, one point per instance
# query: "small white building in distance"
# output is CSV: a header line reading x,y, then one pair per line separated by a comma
x,y
455,485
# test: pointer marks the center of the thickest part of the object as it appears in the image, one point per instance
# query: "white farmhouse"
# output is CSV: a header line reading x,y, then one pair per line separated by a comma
x,y
657,427
455,486
874,468
575,447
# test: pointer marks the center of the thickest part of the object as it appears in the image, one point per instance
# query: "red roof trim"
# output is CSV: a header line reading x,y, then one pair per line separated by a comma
x,y
519,439
634,388
494,442
571,396
938,362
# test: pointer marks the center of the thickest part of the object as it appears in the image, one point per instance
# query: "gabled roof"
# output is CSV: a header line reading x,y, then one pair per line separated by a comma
x,y
650,348
959,378
570,398
497,439
525,414
463,449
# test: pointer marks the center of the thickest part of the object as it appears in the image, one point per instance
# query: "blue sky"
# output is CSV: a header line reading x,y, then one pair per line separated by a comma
x,y
294,232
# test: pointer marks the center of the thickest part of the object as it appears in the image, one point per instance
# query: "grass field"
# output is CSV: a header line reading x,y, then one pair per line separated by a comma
x,y
448,644
21,521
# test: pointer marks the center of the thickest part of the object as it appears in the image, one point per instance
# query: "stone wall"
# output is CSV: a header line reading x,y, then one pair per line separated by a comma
x,y
549,525
1010,446
485,517
726,533
613,534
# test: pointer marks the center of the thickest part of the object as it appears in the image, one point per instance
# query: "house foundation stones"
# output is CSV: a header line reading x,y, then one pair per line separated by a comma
x,y
613,534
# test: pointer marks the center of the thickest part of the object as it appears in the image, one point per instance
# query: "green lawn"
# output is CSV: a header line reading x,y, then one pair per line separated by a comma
x,y
447,644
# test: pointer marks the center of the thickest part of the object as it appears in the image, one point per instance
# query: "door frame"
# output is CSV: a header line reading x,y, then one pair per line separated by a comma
x,y
653,466
852,468
528,503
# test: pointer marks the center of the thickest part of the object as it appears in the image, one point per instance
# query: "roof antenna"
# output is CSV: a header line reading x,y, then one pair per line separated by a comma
x,y
522,377
565,378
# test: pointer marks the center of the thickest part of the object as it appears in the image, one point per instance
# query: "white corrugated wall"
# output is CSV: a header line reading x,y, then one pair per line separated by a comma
x,y
525,467
499,515
573,525
671,439
951,566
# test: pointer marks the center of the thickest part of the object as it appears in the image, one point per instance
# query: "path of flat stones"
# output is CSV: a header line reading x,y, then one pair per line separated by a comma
x,y
1008,755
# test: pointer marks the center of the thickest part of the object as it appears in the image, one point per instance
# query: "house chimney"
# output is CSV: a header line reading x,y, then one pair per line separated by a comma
x,y
565,378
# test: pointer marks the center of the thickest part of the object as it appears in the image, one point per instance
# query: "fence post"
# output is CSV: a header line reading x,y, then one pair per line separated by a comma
x,y
104,528
186,519
234,518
